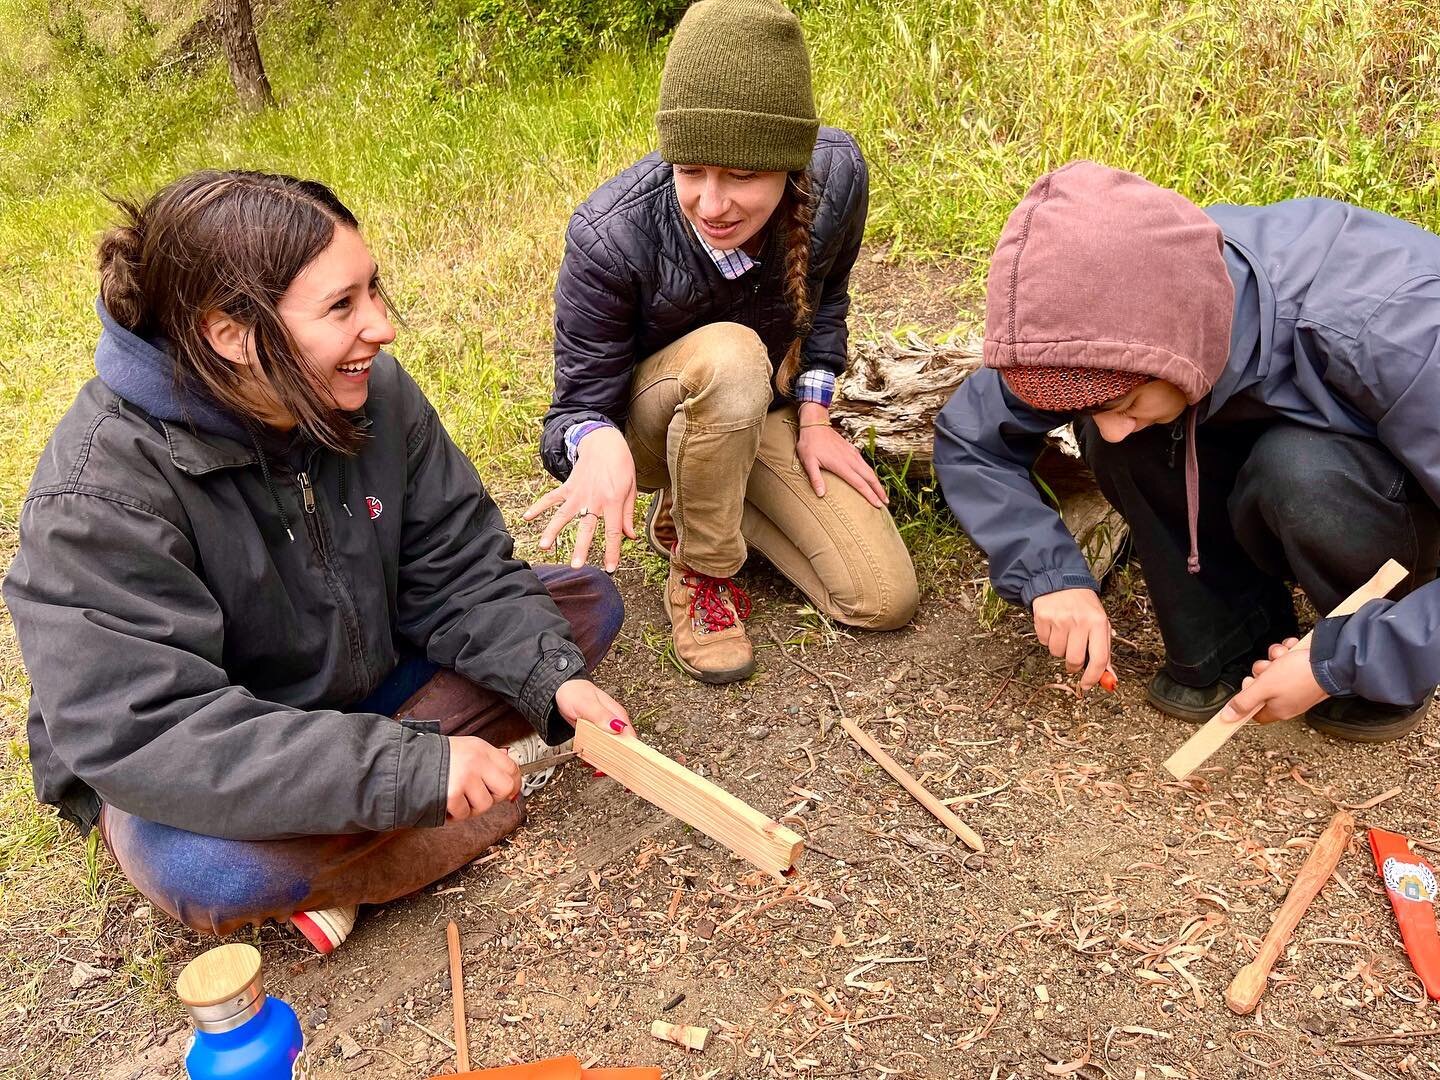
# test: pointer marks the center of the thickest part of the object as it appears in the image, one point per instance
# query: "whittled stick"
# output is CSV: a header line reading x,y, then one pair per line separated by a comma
x,y
692,799
914,787
1249,983
692,1038
457,995
1217,731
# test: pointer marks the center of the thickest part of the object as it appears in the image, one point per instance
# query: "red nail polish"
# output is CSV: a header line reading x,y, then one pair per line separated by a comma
x,y
617,724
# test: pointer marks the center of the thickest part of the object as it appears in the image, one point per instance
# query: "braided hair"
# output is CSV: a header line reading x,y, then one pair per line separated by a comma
x,y
798,218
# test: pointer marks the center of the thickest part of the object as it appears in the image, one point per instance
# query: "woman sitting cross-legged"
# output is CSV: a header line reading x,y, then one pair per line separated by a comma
x,y
280,649
699,329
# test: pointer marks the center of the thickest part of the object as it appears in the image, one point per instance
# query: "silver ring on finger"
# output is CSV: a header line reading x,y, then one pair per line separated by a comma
x,y
585,512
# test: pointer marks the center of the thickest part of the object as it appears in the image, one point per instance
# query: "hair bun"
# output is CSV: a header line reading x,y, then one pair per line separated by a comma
x,y
121,259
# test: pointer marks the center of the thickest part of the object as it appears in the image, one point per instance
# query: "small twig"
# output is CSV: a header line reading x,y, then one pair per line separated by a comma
x,y
810,671
441,1039
1390,1038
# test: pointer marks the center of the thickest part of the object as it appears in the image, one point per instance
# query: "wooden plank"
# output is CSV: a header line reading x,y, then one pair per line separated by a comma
x,y
692,799
1224,724
913,786
1249,982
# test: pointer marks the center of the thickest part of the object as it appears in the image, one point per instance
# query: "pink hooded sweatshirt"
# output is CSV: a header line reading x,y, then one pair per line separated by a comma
x,y
1102,280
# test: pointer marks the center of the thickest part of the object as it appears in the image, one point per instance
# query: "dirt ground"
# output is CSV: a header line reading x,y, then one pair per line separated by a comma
x,y
1095,938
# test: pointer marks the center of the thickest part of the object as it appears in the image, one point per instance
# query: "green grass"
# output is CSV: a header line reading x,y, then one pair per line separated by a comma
x,y
464,166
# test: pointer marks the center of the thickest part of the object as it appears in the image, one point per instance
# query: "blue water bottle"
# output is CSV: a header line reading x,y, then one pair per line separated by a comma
x,y
240,1032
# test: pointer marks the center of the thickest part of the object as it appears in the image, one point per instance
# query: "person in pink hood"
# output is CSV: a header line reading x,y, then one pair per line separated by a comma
x,y
1255,389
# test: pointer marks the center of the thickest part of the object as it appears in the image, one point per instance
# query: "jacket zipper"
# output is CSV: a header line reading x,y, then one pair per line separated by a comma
x,y
1177,436
349,612
307,493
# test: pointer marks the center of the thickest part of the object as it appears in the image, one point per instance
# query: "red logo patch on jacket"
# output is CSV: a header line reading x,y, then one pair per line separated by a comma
x,y
374,505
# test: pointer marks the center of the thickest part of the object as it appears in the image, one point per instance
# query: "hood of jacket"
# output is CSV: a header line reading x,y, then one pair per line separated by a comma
x,y
142,371
1100,269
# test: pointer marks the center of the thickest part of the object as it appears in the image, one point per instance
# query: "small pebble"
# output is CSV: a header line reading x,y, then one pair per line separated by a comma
x,y
315,1017
758,733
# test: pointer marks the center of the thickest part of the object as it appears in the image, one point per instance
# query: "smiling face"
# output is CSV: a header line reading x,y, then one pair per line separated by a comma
x,y
1153,402
728,207
336,316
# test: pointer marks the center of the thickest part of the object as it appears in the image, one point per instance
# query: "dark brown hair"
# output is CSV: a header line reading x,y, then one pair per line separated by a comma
x,y
798,217
233,242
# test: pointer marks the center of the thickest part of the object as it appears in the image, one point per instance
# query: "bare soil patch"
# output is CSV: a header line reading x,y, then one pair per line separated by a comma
x,y
1107,918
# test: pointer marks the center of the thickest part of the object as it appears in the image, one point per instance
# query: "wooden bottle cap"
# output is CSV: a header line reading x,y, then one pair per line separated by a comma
x,y
222,987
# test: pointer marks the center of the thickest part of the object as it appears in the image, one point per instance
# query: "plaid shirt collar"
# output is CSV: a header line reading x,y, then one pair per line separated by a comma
x,y
731,264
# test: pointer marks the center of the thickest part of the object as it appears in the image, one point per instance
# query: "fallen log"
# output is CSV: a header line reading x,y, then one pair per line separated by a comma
x,y
886,402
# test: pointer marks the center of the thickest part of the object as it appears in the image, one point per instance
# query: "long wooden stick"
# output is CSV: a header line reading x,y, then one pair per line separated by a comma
x,y
457,995
1249,982
692,799
914,787
1220,727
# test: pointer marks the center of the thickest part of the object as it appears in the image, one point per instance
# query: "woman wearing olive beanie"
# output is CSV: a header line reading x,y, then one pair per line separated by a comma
x,y
699,330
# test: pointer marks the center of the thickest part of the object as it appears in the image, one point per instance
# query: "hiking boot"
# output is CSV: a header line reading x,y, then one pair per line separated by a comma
x,y
1193,704
660,531
705,619
327,927
533,748
1357,720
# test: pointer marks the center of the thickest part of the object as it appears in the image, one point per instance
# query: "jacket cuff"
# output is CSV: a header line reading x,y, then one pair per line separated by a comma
x,y
1048,581
537,696
422,776
1334,675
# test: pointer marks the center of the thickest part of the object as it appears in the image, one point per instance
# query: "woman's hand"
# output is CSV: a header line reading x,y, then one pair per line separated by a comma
x,y
480,776
1072,624
581,699
1282,687
601,488
820,447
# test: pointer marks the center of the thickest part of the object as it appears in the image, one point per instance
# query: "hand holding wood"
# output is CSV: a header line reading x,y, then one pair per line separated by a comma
x,y
1220,727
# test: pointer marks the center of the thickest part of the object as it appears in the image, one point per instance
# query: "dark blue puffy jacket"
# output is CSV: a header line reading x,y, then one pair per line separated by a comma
x,y
636,279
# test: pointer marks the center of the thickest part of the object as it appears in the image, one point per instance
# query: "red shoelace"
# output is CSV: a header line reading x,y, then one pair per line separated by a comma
x,y
707,602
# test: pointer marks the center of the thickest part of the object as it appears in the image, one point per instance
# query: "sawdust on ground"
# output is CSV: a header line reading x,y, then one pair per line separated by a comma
x,y
1094,939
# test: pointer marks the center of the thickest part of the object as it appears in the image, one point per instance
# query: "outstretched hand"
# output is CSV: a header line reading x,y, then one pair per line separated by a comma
x,y
600,489
1282,687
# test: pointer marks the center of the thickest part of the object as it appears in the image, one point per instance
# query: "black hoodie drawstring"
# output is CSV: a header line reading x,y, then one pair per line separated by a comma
x,y
269,480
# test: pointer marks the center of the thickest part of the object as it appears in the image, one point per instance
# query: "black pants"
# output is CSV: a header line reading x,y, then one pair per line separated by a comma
x,y
1278,502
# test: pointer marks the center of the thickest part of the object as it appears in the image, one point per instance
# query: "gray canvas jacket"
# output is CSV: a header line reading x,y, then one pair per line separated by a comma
x,y
635,279
191,663
1337,326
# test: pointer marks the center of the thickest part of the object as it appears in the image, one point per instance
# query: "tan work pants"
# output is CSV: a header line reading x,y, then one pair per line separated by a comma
x,y
700,424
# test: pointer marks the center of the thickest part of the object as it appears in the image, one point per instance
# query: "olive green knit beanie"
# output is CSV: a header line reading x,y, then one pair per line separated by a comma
x,y
736,89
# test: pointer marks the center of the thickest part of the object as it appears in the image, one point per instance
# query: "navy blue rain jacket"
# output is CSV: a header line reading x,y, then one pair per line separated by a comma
x,y
1337,326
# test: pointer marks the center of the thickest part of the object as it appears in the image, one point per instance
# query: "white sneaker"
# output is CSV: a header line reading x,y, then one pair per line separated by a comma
x,y
530,749
326,928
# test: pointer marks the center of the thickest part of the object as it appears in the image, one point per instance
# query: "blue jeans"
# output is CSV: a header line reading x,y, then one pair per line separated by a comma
x,y
217,885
